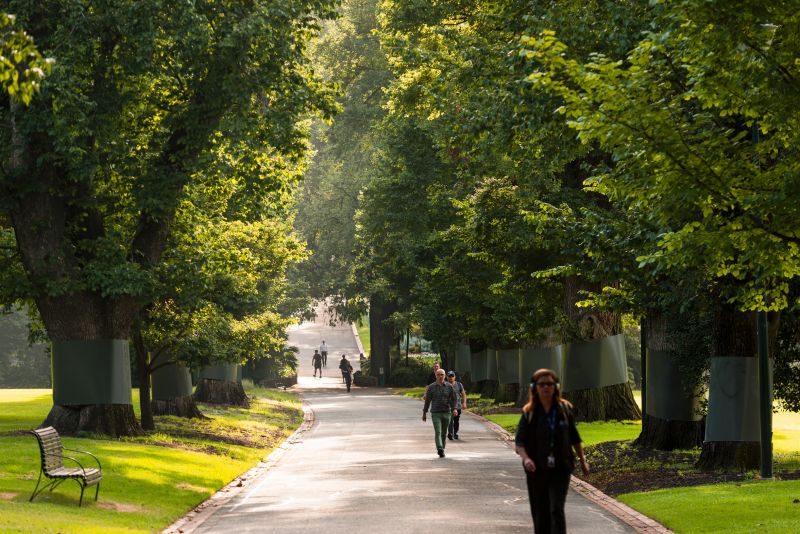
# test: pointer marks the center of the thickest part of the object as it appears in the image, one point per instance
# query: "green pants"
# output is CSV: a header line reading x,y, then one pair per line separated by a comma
x,y
441,420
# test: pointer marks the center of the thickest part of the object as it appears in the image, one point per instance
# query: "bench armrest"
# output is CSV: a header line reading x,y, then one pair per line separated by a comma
x,y
87,453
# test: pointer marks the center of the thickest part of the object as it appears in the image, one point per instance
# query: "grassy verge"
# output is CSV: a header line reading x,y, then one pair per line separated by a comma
x,y
362,327
756,506
149,481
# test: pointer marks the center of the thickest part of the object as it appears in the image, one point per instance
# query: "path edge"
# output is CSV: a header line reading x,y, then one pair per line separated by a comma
x,y
195,517
623,512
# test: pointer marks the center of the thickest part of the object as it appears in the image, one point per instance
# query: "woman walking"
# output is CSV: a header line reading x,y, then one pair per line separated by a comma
x,y
546,436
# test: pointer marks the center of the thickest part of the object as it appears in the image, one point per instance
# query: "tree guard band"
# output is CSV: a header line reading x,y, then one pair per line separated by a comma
x,y
733,400
491,364
171,381
508,366
478,366
667,397
95,371
463,359
595,364
531,360
220,371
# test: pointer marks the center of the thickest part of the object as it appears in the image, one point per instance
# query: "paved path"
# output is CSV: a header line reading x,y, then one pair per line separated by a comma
x,y
368,464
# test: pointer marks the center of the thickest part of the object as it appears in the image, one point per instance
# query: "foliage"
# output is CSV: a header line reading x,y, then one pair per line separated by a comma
x,y
149,103
699,144
22,67
344,156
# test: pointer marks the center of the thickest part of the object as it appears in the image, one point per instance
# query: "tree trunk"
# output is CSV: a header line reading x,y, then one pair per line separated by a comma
x,y
381,336
143,361
663,333
221,392
111,419
734,335
178,406
611,402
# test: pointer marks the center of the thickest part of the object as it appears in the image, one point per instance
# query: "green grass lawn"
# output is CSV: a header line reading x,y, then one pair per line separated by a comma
x,y
757,506
363,333
148,482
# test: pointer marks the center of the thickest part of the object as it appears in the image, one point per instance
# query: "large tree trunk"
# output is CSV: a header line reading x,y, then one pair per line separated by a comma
x,y
111,419
609,402
381,335
227,392
734,334
682,431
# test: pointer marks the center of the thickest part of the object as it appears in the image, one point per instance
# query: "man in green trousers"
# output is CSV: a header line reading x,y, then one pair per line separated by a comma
x,y
440,397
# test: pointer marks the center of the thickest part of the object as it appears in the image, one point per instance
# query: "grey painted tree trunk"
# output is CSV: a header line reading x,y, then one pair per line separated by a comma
x,y
601,404
734,335
665,433
381,335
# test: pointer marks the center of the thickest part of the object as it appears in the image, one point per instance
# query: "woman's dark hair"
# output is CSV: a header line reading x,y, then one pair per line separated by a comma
x,y
533,395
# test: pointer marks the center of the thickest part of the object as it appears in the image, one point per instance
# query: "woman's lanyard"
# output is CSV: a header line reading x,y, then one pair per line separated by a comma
x,y
551,424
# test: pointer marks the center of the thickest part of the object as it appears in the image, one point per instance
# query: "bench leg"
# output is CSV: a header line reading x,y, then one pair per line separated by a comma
x,y
80,501
37,487
97,491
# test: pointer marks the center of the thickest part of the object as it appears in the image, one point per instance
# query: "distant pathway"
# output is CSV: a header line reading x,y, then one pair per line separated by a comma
x,y
368,465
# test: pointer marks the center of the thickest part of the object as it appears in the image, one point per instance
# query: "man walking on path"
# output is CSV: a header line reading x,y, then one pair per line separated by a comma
x,y
316,361
347,371
461,402
323,350
441,399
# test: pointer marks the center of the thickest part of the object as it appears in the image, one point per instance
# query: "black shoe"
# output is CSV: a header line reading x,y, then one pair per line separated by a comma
x,y
455,436
441,452
449,436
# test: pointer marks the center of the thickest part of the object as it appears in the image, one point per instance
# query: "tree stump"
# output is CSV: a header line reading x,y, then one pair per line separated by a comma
x,y
221,392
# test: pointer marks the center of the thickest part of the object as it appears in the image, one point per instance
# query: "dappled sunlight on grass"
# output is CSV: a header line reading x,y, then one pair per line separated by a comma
x,y
148,481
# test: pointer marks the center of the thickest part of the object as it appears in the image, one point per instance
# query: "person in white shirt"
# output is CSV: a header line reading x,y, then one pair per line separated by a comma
x,y
323,349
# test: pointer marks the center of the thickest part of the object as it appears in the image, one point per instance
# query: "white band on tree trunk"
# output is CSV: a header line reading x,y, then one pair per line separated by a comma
x,y
463,359
531,360
221,371
595,364
667,397
508,366
478,360
96,371
733,400
491,364
171,381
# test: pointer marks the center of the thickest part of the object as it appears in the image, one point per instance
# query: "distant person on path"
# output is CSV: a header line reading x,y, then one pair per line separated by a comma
x,y
323,350
316,360
545,437
441,399
347,371
461,402
432,376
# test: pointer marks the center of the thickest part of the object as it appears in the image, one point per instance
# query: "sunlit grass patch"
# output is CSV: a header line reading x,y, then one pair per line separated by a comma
x,y
757,506
148,481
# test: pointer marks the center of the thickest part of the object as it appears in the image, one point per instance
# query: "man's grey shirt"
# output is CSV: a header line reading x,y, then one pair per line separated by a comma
x,y
440,398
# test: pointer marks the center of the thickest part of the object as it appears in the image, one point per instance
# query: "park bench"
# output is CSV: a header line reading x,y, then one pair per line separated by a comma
x,y
52,466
